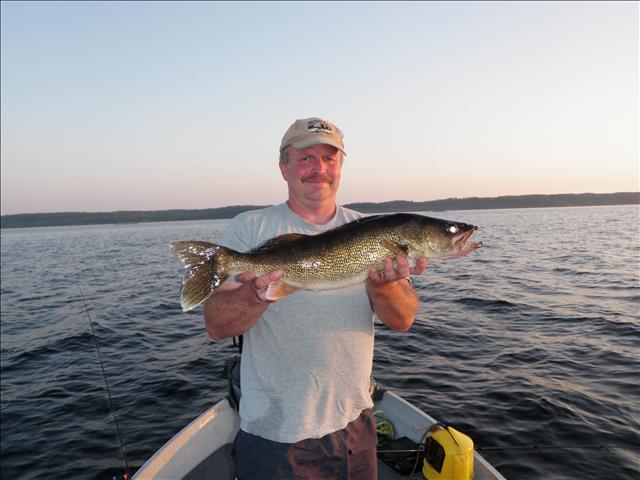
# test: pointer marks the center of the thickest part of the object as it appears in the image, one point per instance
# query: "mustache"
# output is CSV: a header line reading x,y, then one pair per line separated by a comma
x,y
318,176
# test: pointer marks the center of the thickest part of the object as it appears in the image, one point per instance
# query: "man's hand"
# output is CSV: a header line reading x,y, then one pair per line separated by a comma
x,y
402,270
395,303
258,285
237,304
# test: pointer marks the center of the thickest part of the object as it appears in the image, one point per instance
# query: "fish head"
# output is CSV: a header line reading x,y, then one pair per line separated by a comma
x,y
447,239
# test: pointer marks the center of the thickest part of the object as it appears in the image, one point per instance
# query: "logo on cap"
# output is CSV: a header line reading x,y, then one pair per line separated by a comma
x,y
319,126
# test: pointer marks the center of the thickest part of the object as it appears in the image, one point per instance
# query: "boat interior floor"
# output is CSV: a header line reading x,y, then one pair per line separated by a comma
x,y
219,465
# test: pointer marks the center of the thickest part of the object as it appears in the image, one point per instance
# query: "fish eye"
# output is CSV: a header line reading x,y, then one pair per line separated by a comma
x,y
452,229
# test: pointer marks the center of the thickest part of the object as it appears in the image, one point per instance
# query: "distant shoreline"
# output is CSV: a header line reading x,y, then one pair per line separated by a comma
x,y
25,220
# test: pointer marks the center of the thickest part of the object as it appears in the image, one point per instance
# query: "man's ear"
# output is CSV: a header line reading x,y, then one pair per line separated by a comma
x,y
283,171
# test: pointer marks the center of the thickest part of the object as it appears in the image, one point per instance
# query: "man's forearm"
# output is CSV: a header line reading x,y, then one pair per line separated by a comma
x,y
395,303
237,304
230,313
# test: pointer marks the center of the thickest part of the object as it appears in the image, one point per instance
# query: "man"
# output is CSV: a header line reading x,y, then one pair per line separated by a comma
x,y
307,359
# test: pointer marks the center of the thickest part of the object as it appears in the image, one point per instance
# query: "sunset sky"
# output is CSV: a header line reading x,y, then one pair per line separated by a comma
x,y
148,106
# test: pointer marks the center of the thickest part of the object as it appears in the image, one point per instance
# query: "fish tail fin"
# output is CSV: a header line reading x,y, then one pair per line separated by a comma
x,y
205,264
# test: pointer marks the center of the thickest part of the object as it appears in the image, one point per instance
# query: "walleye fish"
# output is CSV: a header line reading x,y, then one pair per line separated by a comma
x,y
333,259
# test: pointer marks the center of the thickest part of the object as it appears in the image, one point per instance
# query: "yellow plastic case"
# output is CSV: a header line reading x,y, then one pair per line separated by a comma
x,y
449,455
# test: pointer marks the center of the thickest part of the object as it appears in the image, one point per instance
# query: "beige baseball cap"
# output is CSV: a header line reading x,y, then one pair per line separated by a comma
x,y
307,132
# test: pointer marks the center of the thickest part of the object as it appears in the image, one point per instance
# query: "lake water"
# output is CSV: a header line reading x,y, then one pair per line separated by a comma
x,y
530,345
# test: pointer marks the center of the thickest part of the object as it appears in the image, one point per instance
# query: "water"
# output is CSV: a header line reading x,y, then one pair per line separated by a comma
x,y
531,341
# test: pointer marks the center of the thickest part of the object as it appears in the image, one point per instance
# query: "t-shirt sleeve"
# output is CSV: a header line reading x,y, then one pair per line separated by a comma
x,y
236,236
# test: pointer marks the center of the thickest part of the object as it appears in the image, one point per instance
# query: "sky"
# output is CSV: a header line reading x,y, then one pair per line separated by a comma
x,y
148,106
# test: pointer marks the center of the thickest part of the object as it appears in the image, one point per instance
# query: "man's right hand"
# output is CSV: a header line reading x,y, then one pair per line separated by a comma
x,y
237,304
259,285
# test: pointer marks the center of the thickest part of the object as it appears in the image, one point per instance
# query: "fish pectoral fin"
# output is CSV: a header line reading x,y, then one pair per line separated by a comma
x,y
278,241
278,290
395,247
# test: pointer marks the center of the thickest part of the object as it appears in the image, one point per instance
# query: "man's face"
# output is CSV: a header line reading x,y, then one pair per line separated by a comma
x,y
313,173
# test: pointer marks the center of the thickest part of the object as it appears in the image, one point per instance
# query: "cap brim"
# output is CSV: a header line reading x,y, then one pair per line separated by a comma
x,y
311,140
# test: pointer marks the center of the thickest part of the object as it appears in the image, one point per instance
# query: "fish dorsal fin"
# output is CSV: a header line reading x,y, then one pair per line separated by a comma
x,y
278,290
278,241
395,247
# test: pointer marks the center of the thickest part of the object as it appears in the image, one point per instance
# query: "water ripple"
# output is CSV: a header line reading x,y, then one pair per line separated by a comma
x,y
531,340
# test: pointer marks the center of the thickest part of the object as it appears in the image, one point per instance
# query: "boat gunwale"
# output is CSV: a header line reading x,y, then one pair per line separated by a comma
x,y
161,458
171,450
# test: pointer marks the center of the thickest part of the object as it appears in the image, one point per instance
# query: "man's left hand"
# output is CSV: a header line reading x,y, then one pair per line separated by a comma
x,y
402,270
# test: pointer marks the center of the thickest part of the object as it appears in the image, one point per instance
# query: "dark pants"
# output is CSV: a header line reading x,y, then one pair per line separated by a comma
x,y
348,454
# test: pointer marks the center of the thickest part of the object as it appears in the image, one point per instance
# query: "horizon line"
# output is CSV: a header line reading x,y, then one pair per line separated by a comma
x,y
344,204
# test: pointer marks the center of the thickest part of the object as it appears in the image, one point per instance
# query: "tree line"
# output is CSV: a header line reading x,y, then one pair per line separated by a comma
x,y
469,203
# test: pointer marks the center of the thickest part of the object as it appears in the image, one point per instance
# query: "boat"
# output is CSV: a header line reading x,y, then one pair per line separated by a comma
x,y
202,449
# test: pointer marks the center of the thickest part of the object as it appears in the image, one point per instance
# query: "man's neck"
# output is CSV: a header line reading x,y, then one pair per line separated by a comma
x,y
316,214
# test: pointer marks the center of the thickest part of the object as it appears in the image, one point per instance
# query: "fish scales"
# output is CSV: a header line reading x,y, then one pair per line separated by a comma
x,y
340,259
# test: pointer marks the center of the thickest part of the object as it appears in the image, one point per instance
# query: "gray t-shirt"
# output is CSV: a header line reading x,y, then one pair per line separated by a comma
x,y
306,363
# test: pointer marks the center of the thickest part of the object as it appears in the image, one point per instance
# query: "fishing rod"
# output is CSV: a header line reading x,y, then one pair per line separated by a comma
x,y
551,447
518,447
126,475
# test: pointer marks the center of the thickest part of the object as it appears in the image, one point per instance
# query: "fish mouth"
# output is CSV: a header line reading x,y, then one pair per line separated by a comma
x,y
461,245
